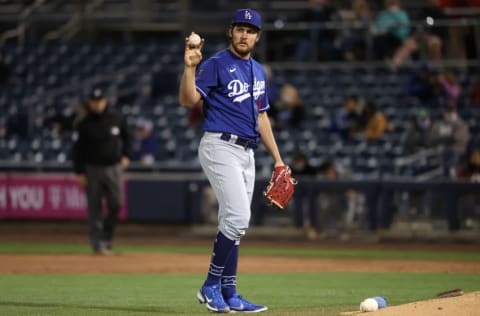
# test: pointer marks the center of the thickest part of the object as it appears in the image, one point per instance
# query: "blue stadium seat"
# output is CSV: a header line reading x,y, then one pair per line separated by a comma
x,y
126,68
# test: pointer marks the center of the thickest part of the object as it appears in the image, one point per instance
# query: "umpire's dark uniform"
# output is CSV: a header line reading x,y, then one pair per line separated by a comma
x,y
101,150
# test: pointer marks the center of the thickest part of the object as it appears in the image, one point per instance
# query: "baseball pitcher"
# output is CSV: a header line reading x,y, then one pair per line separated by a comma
x,y
231,85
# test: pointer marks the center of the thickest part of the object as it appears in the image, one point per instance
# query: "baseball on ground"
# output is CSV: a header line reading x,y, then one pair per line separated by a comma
x,y
368,305
194,40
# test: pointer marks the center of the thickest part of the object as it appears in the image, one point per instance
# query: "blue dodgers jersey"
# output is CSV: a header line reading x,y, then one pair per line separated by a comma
x,y
226,83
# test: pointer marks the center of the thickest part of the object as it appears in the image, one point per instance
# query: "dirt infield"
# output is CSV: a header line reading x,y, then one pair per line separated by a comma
x,y
468,304
183,263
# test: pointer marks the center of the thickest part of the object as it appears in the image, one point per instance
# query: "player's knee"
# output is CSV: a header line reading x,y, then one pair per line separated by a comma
x,y
235,234
235,231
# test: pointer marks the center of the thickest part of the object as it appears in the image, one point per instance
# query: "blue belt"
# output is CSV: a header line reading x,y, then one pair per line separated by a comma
x,y
245,143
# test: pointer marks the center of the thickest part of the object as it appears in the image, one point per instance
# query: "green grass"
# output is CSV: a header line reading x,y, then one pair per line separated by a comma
x,y
174,294
59,248
321,294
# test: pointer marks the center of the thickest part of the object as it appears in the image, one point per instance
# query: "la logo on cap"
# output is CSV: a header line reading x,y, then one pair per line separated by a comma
x,y
247,16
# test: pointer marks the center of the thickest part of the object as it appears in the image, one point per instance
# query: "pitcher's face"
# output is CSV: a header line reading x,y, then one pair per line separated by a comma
x,y
243,39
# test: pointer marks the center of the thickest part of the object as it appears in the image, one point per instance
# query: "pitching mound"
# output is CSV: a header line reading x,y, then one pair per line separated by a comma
x,y
465,305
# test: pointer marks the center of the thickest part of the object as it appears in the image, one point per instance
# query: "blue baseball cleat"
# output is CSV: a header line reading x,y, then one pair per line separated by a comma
x,y
238,304
212,297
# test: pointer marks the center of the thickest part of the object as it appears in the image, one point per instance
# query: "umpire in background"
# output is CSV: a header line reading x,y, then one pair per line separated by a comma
x,y
100,153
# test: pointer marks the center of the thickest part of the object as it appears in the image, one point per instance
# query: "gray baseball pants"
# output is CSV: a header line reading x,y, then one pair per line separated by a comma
x,y
230,169
103,182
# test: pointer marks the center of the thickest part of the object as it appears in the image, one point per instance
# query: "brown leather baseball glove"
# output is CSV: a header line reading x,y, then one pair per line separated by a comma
x,y
281,187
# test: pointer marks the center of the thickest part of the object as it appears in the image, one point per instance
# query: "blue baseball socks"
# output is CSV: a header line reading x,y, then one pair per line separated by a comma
x,y
222,248
229,277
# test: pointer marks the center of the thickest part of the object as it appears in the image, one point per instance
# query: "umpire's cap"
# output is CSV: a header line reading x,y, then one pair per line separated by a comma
x,y
247,16
96,94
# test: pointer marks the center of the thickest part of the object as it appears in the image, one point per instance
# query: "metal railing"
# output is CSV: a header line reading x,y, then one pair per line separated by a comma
x,y
93,18
294,31
23,21
74,24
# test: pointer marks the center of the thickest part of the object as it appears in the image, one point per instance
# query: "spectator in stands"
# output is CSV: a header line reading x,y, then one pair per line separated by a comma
x,y
289,111
330,206
470,168
304,215
392,28
301,167
60,120
423,84
101,150
375,123
347,122
423,133
145,145
354,44
428,34
420,134
450,87
318,11
454,133
322,211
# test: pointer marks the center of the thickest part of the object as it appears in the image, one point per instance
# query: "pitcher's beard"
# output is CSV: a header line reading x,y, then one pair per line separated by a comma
x,y
241,51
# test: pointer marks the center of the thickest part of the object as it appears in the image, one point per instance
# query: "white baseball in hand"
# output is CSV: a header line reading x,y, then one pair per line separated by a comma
x,y
194,40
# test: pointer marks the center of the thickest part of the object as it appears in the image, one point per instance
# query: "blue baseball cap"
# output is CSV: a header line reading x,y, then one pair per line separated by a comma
x,y
247,16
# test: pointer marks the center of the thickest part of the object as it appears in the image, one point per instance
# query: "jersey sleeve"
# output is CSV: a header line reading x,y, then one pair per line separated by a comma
x,y
265,105
206,77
